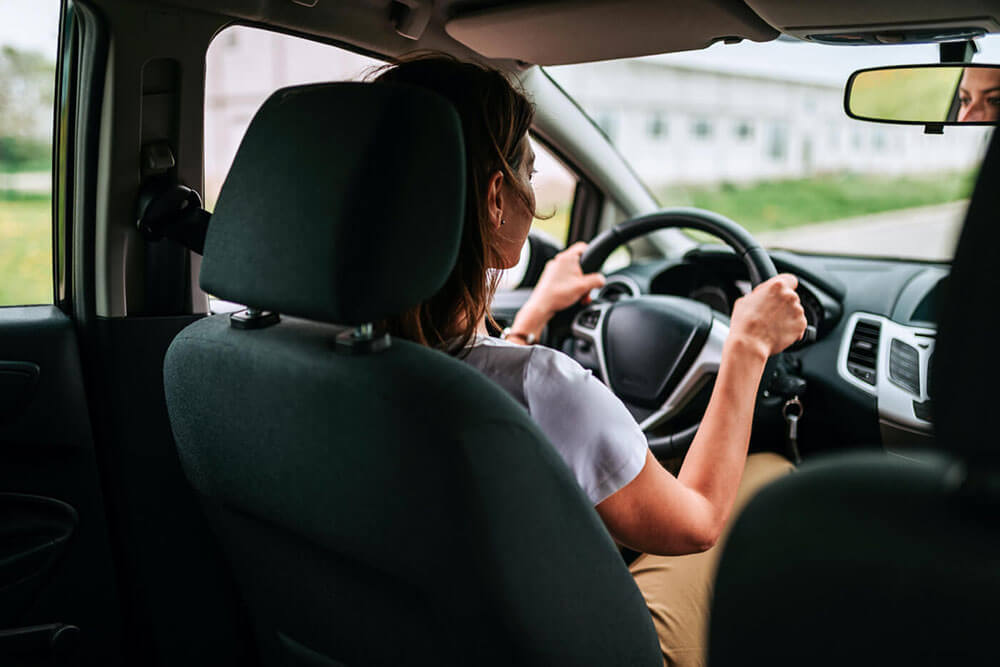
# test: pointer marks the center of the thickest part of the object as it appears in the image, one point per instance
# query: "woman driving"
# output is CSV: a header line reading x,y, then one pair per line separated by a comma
x,y
672,521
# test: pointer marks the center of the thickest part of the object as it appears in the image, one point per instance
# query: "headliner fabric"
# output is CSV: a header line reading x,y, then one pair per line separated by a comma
x,y
966,365
394,508
344,203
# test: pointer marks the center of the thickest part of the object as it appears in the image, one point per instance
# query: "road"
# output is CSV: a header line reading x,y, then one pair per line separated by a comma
x,y
927,232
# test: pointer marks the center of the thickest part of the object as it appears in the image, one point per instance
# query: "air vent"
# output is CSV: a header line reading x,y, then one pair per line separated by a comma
x,y
616,289
862,355
904,366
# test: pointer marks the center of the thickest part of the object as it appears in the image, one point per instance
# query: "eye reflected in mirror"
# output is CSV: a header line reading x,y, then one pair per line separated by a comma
x,y
926,94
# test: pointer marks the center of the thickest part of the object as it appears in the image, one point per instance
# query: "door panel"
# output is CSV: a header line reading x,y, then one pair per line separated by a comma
x,y
55,560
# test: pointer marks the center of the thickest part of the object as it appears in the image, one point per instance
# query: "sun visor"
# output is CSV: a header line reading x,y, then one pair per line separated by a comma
x,y
890,22
561,33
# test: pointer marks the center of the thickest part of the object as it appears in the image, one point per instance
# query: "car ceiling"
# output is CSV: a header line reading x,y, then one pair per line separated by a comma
x,y
567,31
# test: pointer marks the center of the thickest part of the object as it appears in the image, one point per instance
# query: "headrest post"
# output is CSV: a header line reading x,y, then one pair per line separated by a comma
x,y
362,339
253,318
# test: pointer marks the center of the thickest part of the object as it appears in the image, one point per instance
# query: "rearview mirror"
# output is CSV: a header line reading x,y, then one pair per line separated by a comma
x,y
932,95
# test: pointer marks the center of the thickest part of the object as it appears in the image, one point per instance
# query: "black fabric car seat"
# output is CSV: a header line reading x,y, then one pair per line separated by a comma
x,y
379,502
871,559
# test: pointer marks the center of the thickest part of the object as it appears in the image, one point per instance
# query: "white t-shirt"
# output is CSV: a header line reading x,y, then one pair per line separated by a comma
x,y
589,426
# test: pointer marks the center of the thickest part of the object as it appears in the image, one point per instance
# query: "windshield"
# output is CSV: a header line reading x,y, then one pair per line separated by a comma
x,y
758,133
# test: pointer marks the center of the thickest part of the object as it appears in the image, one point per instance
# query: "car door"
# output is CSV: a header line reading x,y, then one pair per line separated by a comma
x,y
58,594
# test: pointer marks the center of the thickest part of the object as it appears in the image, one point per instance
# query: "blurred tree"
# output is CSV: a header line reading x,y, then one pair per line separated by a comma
x,y
27,83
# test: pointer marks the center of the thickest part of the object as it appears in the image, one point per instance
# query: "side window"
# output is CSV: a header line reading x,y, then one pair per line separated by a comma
x,y
554,186
29,34
243,67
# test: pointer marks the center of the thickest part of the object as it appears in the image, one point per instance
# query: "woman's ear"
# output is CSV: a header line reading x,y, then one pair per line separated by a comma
x,y
494,199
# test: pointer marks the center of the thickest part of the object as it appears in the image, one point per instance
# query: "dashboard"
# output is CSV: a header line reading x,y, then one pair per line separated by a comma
x,y
876,330
869,369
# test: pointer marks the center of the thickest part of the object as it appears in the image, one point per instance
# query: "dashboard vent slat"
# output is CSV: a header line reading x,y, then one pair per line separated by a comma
x,y
904,366
862,355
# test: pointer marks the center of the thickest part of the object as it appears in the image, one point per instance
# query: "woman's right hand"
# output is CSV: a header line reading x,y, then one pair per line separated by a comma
x,y
770,318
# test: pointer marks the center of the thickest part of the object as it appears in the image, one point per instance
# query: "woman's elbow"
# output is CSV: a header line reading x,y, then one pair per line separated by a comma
x,y
704,540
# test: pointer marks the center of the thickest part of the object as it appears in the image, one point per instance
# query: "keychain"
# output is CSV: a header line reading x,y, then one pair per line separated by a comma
x,y
792,411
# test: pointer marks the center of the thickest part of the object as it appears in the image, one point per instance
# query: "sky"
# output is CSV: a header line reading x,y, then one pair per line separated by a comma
x,y
30,24
818,63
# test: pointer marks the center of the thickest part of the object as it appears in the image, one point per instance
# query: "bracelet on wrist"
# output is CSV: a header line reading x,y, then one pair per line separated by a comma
x,y
508,333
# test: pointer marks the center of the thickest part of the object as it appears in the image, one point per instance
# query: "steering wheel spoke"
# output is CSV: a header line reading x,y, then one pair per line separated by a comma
x,y
702,370
588,326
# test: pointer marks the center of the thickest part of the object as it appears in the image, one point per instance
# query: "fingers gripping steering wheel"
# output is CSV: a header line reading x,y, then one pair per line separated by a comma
x,y
657,352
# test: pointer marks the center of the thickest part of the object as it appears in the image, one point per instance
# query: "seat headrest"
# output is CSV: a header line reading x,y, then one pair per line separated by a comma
x,y
344,203
966,363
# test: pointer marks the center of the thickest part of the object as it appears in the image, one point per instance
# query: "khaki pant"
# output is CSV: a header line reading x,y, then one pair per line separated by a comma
x,y
678,589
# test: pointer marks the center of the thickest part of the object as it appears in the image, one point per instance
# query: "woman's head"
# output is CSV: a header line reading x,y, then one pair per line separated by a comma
x,y
979,95
500,202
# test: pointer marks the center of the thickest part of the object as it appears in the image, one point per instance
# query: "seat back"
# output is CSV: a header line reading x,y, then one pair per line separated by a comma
x,y
863,559
387,506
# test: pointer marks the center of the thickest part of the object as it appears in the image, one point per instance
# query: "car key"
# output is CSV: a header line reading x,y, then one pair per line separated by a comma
x,y
792,411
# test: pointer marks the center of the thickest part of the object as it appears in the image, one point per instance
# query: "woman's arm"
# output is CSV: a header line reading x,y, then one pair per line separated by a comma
x,y
561,284
662,514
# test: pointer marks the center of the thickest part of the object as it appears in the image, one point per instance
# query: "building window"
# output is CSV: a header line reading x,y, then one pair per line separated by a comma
x,y
702,128
657,126
743,130
777,144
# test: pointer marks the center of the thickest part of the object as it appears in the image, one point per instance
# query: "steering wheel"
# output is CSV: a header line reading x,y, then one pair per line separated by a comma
x,y
657,352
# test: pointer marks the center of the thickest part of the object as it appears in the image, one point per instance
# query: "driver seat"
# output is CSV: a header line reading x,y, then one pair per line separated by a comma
x,y
379,502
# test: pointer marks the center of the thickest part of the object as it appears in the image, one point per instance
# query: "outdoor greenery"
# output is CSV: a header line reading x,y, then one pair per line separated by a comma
x,y
26,99
25,228
772,205
25,250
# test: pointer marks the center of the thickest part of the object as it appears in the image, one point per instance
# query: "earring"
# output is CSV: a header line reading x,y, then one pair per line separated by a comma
x,y
502,222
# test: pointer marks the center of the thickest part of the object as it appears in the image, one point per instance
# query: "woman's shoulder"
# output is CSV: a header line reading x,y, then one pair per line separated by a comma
x,y
526,369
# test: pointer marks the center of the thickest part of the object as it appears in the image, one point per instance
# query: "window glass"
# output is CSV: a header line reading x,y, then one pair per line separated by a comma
x,y
763,139
243,67
29,33
554,187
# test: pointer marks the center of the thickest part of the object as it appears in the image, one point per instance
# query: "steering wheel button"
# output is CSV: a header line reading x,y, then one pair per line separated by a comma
x,y
589,319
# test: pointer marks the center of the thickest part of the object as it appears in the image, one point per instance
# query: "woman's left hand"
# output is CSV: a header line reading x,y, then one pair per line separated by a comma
x,y
561,284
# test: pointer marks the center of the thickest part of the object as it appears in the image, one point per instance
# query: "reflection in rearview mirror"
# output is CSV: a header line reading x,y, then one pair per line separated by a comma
x,y
928,94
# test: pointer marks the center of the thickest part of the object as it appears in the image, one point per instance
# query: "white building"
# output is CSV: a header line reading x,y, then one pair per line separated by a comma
x,y
687,125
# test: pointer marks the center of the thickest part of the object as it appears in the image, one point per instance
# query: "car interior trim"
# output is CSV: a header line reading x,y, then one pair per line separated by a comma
x,y
705,365
896,405
556,33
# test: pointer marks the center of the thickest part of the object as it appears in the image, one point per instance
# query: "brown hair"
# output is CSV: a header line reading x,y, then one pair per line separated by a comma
x,y
495,118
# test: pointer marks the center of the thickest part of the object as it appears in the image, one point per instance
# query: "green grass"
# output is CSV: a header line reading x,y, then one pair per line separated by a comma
x,y
25,249
43,163
773,205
